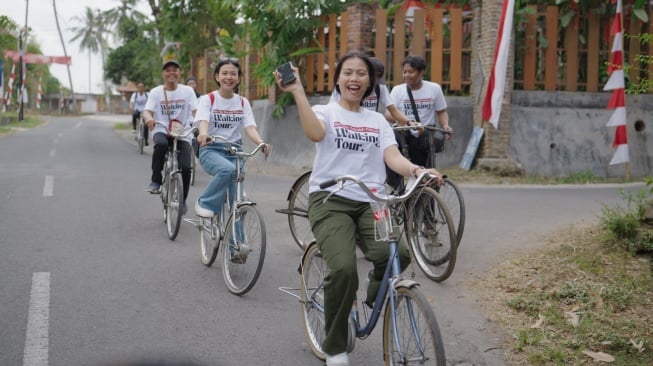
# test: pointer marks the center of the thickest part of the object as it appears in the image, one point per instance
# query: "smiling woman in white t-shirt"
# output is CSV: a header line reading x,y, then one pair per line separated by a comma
x,y
350,140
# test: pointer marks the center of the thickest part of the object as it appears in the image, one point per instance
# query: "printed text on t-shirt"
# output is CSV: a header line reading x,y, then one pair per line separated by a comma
x,y
351,137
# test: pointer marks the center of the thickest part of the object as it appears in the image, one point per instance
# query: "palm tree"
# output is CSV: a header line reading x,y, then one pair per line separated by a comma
x,y
63,44
117,16
91,36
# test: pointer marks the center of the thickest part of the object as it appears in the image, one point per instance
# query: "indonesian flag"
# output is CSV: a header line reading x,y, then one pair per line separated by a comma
x,y
617,84
10,89
39,93
494,95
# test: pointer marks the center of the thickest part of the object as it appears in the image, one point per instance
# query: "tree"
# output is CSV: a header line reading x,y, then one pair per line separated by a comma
x,y
119,16
91,36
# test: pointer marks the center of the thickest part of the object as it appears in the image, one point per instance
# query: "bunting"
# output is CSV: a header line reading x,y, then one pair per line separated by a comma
x,y
616,83
10,89
496,85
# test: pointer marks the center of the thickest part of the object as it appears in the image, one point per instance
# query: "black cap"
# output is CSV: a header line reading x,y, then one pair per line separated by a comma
x,y
171,62
379,69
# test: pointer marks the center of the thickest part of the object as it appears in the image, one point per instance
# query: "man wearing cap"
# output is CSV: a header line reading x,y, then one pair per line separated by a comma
x,y
166,103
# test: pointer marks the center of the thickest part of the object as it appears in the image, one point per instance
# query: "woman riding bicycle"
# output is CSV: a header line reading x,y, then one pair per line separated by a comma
x,y
223,112
349,140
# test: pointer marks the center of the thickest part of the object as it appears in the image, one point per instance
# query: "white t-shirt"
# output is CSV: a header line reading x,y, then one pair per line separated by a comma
x,y
139,100
353,145
428,100
372,101
181,104
226,117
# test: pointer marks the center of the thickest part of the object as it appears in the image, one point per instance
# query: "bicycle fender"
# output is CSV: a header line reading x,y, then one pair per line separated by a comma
x,y
294,185
299,269
246,203
406,284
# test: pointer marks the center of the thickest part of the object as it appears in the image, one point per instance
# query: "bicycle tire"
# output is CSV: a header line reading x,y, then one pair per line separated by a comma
x,y
431,233
313,270
300,228
453,198
193,165
242,268
175,200
413,318
209,240
140,137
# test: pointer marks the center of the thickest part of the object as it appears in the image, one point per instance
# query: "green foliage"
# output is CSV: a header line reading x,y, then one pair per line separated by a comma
x,y
137,59
281,30
626,223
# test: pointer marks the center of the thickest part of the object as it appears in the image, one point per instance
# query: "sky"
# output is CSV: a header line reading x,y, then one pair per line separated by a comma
x,y
40,17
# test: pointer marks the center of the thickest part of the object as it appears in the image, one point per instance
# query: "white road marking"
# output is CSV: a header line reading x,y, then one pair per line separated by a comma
x,y
52,153
48,187
38,320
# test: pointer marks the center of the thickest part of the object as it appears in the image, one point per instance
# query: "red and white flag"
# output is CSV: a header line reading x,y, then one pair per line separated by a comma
x,y
10,89
496,85
39,94
616,83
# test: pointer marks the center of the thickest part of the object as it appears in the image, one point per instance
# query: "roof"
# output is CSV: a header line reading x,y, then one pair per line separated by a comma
x,y
130,87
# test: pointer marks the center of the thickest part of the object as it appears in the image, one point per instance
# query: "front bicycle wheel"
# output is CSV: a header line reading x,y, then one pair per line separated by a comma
x,y
209,240
411,335
243,251
431,233
453,198
300,228
140,138
313,270
193,165
173,209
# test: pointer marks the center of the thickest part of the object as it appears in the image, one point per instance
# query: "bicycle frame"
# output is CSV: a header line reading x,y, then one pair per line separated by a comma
x,y
392,274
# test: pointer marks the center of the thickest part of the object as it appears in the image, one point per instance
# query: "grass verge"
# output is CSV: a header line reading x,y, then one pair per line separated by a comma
x,y
579,301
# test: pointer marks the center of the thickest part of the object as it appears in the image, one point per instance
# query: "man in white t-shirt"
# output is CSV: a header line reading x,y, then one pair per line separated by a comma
x,y
137,105
429,102
170,102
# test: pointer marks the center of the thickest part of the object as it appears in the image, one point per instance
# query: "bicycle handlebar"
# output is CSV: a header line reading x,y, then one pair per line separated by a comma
x,y
175,135
217,138
419,125
390,199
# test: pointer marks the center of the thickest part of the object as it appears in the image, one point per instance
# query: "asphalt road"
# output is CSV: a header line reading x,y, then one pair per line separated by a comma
x,y
88,276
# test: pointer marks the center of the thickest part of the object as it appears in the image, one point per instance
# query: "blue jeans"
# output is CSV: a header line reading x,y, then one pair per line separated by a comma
x,y
218,163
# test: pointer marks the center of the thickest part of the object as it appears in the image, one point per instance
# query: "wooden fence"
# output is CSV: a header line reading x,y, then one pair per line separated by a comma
x,y
547,56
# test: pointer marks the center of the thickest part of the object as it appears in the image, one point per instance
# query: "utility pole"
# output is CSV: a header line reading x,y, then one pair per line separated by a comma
x,y
21,67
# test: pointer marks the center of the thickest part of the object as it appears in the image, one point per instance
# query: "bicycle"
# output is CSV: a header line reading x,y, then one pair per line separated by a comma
x,y
449,191
241,225
172,188
411,335
297,212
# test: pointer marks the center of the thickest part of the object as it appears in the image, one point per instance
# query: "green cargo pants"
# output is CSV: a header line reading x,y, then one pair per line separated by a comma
x,y
335,224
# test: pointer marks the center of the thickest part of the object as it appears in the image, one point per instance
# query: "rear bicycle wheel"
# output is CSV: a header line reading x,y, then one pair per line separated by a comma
x,y
300,227
243,251
313,270
453,199
209,240
173,209
431,234
418,340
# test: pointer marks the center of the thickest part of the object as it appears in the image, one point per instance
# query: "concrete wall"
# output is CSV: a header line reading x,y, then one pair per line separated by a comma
x,y
560,133
551,134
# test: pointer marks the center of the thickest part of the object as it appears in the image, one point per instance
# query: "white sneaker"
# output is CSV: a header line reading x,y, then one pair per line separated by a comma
x,y
202,212
341,359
